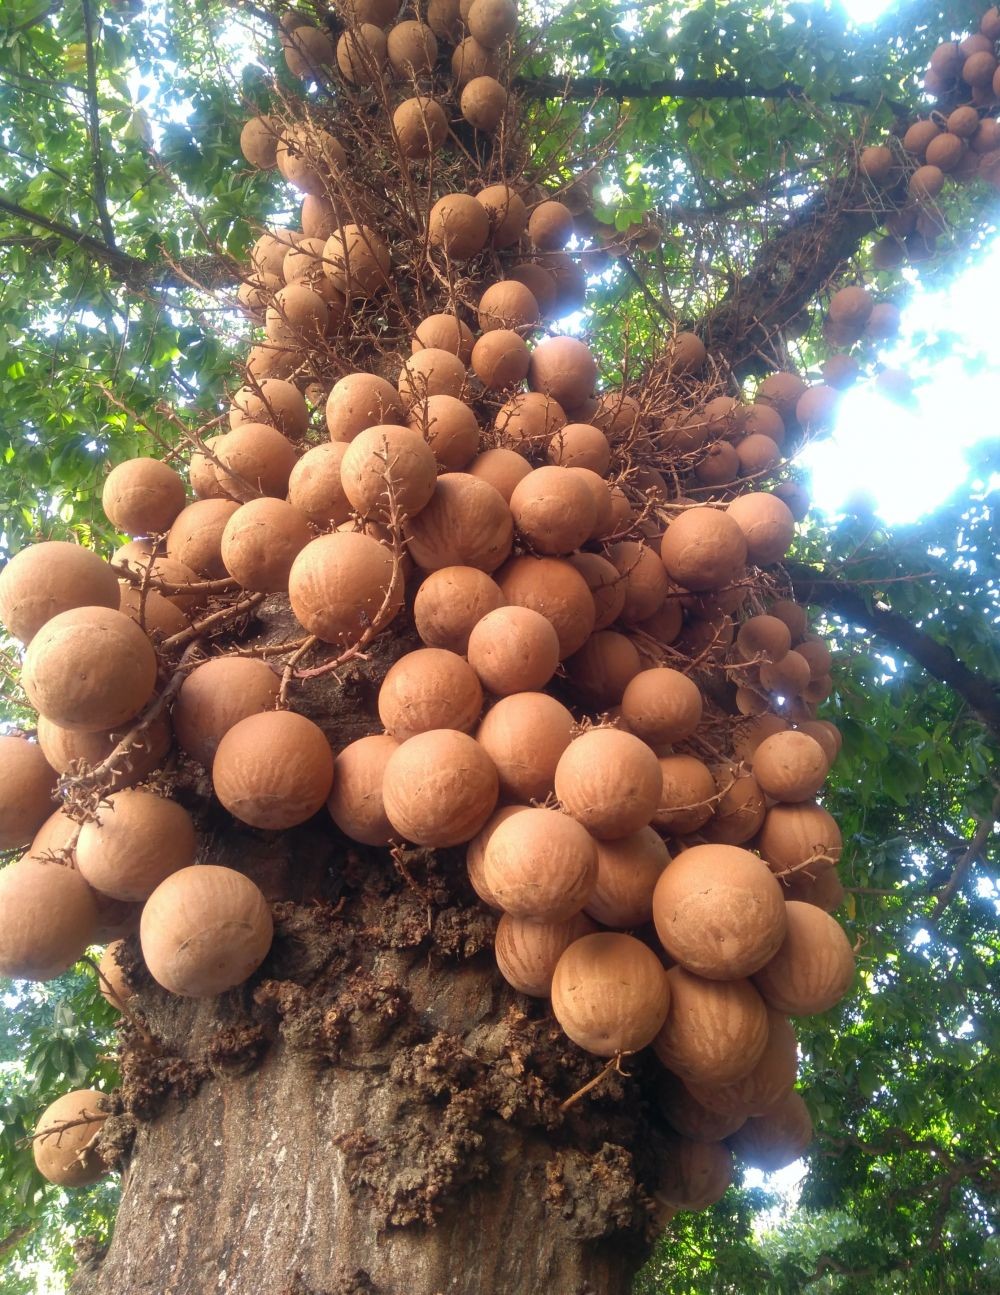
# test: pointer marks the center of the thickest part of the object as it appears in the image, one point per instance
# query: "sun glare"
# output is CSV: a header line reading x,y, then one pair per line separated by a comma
x,y
908,460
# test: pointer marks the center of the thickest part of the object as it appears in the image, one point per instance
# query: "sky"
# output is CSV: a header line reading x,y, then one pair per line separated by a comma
x,y
911,459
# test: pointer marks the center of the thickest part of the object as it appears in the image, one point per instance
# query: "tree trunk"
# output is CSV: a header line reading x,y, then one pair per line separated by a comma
x,y
376,1110
289,1179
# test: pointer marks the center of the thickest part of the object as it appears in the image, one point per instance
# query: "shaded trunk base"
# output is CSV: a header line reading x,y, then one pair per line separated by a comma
x,y
244,1190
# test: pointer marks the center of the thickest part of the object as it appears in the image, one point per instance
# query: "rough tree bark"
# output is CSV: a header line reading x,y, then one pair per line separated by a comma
x,y
375,1111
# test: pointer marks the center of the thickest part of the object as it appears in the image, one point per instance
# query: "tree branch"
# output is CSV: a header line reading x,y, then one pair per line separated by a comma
x,y
983,832
826,589
686,87
136,272
94,130
790,268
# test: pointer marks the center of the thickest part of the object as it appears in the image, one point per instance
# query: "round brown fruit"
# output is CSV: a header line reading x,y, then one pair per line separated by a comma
x,y
813,968
450,602
341,585
492,22
926,183
500,359
763,638
470,59
388,467
429,688
355,803
258,141
476,851
421,126
134,842
876,163
610,993
768,1083
45,579
507,213
554,510
309,52
195,539
439,788
513,649
524,735
529,419
49,917
662,706
564,369
483,104
719,912
261,541
431,372
796,836
508,304
358,261
359,401
767,525
550,226
645,577
204,930
362,53
277,402
553,587
609,781
694,1175
580,445
527,951
790,766
63,1141
782,390
273,770
89,669
459,226
540,865
259,460
716,1030
688,796
687,353
298,317
606,585
27,783
216,695
502,468
315,489
466,523
449,427
704,548
627,872
603,668
776,1139
739,810
142,496
412,49
444,333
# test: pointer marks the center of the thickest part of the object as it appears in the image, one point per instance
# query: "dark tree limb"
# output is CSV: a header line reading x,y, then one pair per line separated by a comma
x,y
828,590
976,847
94,130
135,272
686,87
791,266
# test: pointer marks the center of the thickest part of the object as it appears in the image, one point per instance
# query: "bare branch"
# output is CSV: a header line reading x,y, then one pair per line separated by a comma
x,y
826,589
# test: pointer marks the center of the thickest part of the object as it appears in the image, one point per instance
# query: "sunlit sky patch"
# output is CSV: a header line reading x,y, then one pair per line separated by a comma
x,y
909,460
861,11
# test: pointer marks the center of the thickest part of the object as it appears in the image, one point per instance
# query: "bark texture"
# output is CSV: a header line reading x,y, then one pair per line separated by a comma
x,y
375,1111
